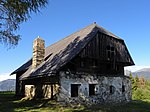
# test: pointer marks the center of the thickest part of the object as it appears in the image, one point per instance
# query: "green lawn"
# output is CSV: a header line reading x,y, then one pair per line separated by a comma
x,y
9,103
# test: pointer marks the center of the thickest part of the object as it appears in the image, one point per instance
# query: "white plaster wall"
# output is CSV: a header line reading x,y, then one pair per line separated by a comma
x,y
102,88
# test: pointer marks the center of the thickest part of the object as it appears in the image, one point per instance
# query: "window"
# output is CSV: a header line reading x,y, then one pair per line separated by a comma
x,y
91,89
123,88
112,89
94,63
74,90
110,52
81,63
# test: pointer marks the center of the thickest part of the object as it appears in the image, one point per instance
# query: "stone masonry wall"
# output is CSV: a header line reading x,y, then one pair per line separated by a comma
x,y
120,89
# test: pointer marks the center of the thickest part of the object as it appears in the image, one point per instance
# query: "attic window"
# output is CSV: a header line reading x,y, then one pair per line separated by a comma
x,y
74,90
110,52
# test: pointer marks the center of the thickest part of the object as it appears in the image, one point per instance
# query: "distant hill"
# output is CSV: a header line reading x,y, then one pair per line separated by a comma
x,y
7,85
144,72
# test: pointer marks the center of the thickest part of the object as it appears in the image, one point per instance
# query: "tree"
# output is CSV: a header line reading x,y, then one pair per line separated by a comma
x,y
12,14
131,77
136,84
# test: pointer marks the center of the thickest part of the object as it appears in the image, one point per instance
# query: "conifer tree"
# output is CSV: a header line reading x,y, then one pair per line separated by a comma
x,y
12,14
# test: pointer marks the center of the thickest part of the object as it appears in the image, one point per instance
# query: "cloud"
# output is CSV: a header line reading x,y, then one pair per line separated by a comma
x,y
135,68
5,76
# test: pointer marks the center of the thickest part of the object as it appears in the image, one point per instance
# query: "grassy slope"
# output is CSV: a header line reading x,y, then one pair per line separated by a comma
x,y
8,103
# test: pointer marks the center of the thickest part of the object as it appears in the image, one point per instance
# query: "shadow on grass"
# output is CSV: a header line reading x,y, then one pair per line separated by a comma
x,y
10,103
134,106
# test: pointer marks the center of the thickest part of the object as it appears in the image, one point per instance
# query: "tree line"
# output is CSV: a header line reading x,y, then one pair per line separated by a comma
x,y
140,88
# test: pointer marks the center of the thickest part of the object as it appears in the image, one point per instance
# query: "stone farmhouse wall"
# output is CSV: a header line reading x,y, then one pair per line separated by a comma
x,y
106,89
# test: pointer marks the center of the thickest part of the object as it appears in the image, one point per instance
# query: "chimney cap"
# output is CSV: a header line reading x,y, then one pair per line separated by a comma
x,y
94,22
38,37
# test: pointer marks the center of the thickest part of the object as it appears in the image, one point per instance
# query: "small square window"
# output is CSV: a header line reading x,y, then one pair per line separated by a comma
x,y
112,89
74,90
123,88
91,89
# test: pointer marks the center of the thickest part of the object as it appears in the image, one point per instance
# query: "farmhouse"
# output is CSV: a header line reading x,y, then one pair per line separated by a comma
x,y
85,67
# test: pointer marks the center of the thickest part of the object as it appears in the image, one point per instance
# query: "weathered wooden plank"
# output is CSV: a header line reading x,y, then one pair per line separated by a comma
x,y
107,61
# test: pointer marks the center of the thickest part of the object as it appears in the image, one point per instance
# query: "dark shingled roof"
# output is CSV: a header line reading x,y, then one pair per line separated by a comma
x,y
24,67
61,52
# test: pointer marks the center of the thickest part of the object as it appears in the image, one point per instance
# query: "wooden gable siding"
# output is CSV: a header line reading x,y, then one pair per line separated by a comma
x,y
97,48
94,57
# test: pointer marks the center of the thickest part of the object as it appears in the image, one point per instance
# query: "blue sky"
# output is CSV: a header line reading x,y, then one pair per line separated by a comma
x,y
128,19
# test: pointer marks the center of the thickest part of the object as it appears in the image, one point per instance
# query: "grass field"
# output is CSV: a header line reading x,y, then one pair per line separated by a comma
x,y
9,103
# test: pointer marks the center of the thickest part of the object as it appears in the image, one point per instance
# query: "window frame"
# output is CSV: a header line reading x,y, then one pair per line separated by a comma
x,y
123,88
92,88
110,52
111,89
74,90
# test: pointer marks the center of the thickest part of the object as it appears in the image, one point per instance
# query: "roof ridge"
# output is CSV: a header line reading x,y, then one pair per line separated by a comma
x,y
108,32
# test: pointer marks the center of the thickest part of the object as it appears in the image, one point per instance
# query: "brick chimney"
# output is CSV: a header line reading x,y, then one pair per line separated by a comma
x,y
38,52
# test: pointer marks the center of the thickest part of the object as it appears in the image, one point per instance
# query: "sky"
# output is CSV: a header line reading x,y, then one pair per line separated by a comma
x,y
128,19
